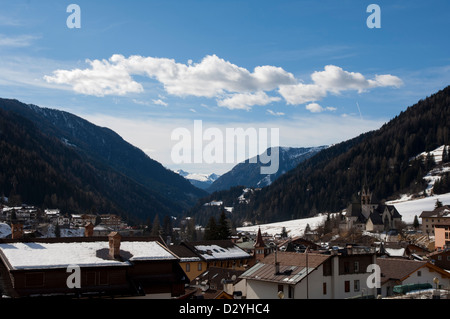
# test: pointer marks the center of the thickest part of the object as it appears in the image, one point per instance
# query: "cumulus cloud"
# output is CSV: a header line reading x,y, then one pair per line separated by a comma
x,y
245,101
302,93
104,78
334,79
232,86
317,108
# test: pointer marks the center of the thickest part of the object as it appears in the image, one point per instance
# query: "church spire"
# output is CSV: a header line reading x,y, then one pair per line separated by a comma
x,y
259,240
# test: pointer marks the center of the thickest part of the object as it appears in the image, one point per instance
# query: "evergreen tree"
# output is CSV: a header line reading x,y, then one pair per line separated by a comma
x,y
223,230
416,222
284,233
438,203
211,229
156,227
191,231
445,154
167,229
307,228
429,162
57,231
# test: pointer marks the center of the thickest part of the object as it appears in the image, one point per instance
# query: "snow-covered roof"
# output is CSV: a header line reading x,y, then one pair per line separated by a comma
x,y
84,254
210,252
5,230
395,252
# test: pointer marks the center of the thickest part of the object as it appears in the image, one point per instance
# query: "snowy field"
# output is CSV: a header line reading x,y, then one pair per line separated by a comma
x,y
410,208
406,207
294,227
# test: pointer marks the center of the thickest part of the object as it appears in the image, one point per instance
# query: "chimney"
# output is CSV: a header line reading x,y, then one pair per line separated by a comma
x,y
89,230
16,231
114,244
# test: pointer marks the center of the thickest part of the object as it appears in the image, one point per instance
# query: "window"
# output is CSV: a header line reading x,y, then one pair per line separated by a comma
x,y
280,288
188,267
419,273
346,267
356,285
347,286
199,266
324,288
356,266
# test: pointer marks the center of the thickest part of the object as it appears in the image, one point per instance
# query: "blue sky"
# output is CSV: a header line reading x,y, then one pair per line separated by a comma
x,y
312,69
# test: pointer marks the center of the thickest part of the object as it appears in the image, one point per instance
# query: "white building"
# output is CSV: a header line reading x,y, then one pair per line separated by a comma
x,y
400,271
336,275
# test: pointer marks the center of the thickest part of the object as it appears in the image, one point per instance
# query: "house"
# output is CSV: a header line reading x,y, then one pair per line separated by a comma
x,y
440,216
135,267
220,253
298,244
216,283
440,258
24,213
192,264
112,221
441,236
79,220
402,272
402,250
51,215
371,217
292,275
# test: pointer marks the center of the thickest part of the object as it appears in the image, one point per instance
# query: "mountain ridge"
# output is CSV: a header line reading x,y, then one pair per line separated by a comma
x,y
381,159
248,173
112,160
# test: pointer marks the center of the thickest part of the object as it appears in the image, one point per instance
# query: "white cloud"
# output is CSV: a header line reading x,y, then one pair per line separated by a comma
x,y
335,80
245,101
104,78
232,86
17,41
160,102
275,113
316,108
302,93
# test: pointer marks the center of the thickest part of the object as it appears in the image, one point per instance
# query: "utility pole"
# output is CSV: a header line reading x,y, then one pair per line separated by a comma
x,y
307,277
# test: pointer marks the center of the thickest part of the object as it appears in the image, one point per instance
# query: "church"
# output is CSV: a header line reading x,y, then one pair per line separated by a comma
x,y
368,216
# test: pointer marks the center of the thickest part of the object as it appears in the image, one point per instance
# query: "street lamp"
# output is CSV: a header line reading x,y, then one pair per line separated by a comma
x,y
436,294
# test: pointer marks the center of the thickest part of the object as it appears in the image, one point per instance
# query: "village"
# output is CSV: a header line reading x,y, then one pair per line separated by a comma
x,y
122,262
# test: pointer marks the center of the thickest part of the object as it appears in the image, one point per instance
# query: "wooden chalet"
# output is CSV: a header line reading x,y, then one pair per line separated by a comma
x,y
112,266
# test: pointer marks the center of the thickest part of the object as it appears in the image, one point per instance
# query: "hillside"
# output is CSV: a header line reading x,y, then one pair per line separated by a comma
x,y
249,174
50,154
384,158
